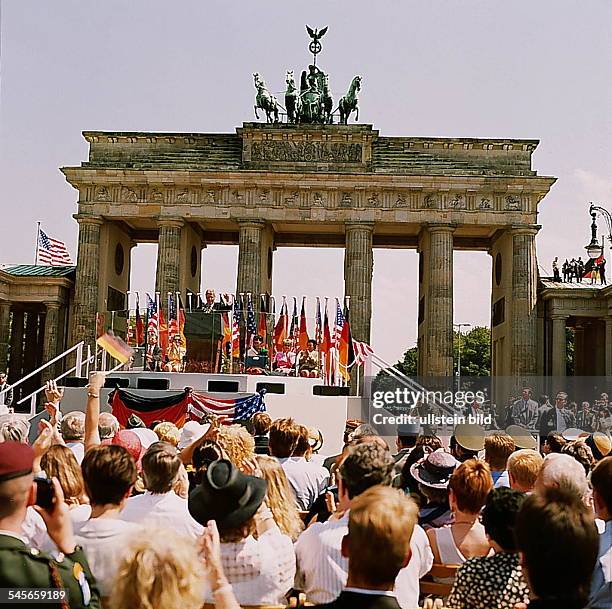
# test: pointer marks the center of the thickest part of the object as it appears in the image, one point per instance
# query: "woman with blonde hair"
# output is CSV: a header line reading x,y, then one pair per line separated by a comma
x,y
161,570
237,444
279,497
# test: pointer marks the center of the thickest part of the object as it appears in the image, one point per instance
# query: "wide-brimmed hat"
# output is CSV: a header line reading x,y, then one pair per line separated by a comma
x,y
573,433
470,436
435,470
191,431
522,437
226,495
146,436
600,444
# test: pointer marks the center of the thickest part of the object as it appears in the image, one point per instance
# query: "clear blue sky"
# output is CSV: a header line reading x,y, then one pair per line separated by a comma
x,y
445,68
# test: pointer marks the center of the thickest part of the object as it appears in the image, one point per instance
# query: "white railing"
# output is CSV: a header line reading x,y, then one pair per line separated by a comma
x,y
77,369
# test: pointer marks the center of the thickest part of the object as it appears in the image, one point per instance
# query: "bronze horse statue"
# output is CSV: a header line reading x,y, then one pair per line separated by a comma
x,y
293,101
265,100
349,103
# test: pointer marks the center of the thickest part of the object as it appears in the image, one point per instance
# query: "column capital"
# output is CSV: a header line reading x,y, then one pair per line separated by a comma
x,y
52,304
525,229
170,221
359,225
559,316
439,227
250,222
84,219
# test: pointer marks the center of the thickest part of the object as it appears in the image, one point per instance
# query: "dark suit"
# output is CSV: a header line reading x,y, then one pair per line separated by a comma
x,y
24,567
548,420
355,600
155,365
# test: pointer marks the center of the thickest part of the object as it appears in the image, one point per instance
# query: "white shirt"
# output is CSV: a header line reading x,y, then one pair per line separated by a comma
x,y
561,425
78,450
323,571
261,571
307,479
35,530
104,541
165,510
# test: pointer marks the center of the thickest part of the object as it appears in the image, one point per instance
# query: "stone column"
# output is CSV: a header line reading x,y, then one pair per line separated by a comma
x,y
358,269
608,368
86,289
168,257
579,350
559,354
16,362
52,319
5,320
437,287
250,257
524,296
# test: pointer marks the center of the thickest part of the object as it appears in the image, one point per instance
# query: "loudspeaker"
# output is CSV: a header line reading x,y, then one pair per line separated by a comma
x,y
223,386
271,387
153,383
110,382
328,390
74,381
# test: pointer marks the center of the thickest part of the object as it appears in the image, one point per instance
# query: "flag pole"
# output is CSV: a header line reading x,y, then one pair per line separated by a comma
x,y
37,238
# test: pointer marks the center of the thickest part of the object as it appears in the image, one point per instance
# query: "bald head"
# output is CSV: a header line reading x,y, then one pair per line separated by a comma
x,y
108,425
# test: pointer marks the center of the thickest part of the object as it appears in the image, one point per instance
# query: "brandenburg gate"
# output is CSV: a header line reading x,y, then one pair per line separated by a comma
x,y
271,185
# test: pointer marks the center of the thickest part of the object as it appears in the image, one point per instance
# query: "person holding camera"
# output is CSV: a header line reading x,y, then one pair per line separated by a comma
x,y
67,583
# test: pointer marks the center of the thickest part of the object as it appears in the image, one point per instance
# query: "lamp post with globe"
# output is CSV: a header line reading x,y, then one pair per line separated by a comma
x,y
594,249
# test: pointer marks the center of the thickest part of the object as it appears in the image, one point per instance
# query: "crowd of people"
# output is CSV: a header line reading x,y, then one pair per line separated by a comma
x,y
559,415
228,516
577,270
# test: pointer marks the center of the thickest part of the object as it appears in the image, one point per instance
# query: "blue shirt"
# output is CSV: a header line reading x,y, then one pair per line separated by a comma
x,y
601,584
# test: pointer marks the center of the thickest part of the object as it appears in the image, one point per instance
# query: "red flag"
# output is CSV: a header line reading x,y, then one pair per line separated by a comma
x,y
140,337
326,349
163,331
346,355
280,330
262,323
303,331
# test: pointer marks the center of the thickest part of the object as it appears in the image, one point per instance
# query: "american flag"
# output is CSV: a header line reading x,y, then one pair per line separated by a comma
x,y
236,318
338,325
231,410
362,352
51,251
318,323
152,325
250,322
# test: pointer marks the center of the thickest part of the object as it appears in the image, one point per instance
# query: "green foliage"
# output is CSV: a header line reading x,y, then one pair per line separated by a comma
x,y
475,358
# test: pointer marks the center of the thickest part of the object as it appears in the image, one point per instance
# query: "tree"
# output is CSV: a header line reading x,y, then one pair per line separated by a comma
x,y
475,358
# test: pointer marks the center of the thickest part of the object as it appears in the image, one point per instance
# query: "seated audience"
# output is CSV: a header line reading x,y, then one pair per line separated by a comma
x,y
601,584
289,444
581,452
257,558
168,432
376,547
523,469
469,487
261,422
433,474
493,581
108,426
237,444
322,569
59,462
279,497
562,471
467,441
498,447
558,541
23,567
160,505
109,473
72,429
553,443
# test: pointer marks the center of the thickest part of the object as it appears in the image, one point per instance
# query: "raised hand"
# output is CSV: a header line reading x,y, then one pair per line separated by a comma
x,y
53,393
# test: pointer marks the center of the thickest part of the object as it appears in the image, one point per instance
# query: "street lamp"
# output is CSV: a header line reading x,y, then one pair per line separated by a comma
x,y
594,249
459,326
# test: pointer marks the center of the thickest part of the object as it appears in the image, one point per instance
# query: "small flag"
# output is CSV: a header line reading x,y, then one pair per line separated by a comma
x,y
362,352
250,321
318,323
163,331
140,338
262,323
236,333
51,251
326,350
346,356
115,347
303,329
152,322
295,325
280,330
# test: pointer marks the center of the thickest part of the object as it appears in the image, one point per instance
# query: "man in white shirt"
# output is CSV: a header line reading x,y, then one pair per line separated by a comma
x,y
289,444
160,505
72,429
109,473
322,570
